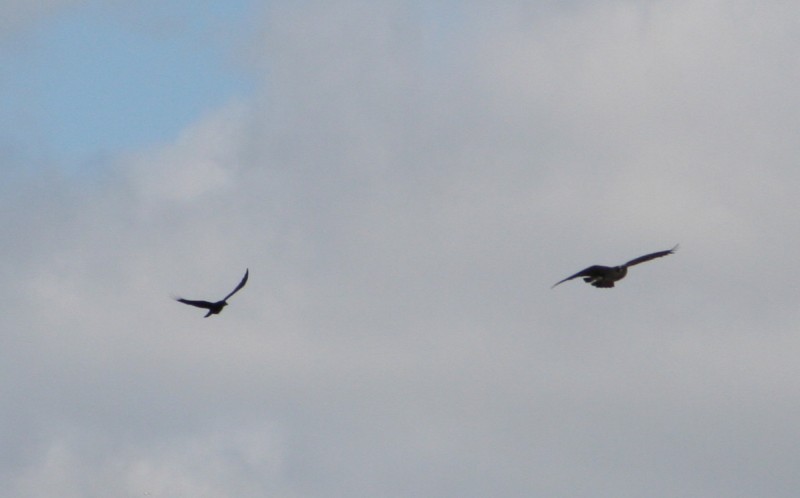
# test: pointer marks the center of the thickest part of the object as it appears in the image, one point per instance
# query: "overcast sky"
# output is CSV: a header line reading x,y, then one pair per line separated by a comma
x,y
405,180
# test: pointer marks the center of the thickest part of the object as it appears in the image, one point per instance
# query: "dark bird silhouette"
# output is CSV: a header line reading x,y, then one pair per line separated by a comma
x,y
215,308
605,276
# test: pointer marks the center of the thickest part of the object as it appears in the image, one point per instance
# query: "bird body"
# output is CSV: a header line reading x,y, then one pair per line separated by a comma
x,y
215,308
605,276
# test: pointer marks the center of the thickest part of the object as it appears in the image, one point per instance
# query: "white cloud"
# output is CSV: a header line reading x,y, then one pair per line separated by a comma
x,y
403,208
232,462
202,160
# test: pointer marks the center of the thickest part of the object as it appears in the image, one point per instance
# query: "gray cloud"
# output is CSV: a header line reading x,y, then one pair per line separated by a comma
x,y
405,188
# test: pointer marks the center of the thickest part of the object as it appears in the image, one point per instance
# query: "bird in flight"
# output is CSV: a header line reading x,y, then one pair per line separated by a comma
x,y
605,276
215,308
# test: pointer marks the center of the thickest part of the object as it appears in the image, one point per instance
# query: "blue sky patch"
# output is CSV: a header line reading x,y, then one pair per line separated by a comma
x,y
96,80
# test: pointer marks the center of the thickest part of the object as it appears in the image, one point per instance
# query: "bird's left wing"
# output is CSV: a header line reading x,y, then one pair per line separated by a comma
x,y
199,304
241,284
648,257
592,271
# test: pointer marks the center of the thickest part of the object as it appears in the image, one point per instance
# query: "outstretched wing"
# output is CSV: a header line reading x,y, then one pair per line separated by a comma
x,y
199,304
241,284
648,257
593,272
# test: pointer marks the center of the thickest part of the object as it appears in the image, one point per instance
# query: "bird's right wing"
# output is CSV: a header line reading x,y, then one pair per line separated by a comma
x,y
199,304
241,284
592,271
648,257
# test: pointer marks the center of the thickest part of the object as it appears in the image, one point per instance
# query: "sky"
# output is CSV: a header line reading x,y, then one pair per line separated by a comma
x,y
405,181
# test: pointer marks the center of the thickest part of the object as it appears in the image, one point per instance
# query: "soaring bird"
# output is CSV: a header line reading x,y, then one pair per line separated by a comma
x,y
215,308
605,276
